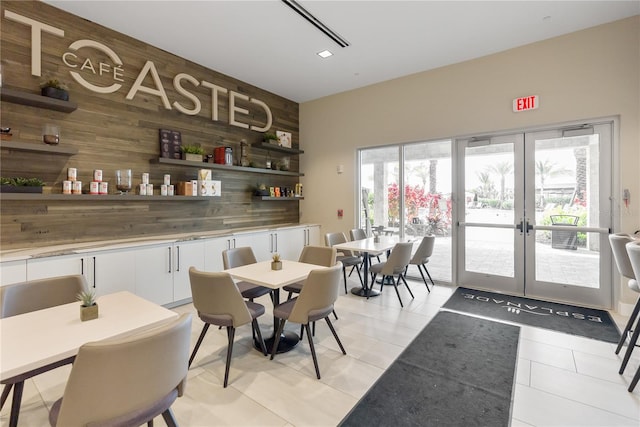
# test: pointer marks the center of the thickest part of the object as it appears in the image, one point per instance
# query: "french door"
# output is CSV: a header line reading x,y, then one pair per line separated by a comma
x,y
536,212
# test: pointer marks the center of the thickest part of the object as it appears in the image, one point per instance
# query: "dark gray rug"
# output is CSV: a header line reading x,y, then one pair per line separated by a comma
x,y
569,319
459,371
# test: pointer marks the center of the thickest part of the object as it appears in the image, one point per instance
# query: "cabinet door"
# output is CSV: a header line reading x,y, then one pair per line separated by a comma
x,y
261,243
154,273
289,243
13,272
41,268
313,236
213,252
186,255
113,271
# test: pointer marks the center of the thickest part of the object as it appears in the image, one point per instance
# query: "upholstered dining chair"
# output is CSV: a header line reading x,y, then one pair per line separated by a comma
x,y
421,257
219,302
127,381
315,302
348,259
35,295
238,257
359,234
618,244
395,265
633,249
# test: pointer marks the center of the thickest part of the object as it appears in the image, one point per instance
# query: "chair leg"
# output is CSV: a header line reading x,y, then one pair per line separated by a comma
x,y
373,281
395,285
169,418
333,331
150,423
313,350
5,394
231,331
401,276
256,328
628,327
636,377
344,274
313,328
301,332
334,314
200,338
427,271
632,344
276,341
360,277
424,279
290,295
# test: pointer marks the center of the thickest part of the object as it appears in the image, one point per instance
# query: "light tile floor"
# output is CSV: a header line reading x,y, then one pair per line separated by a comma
x,y
561,380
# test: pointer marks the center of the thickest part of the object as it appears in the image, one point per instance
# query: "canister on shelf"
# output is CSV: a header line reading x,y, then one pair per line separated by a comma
x,y
97,175
94,187
145,178
72,174
104,188
77,187
228,156
167,179
66,187
149,189
170,190
164,190
142,189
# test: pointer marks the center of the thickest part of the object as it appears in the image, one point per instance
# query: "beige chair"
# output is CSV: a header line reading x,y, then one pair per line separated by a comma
x,y
395,265
36,295
127,381
348,259
360,234
238,257
633,250
421,257
318,255
315,302
218,302
618,244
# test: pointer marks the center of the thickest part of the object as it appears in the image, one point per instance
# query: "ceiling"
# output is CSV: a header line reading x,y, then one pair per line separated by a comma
x,y
267,44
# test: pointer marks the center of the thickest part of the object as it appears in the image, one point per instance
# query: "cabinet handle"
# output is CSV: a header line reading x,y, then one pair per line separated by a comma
x,y
234,243
276,238
95,279
82,266
169,260
178,260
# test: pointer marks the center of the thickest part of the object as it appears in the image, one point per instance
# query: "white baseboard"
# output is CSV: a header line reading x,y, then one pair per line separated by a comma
x,y
625,309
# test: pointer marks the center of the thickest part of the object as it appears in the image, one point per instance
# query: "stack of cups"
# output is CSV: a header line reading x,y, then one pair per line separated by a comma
x,y
72,185
97,186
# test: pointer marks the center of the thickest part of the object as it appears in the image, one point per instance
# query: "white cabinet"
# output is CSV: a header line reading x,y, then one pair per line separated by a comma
x,y
154,273
13,272
213,249
312,236
262,243
112,271
62,265
186,255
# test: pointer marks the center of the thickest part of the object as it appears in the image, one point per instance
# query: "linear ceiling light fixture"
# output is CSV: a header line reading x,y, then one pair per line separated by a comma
x,y
316,22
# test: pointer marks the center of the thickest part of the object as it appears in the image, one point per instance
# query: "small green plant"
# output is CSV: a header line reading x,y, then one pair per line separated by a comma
x,y
53,83
22,182
276,257
192,149
87,297
270,136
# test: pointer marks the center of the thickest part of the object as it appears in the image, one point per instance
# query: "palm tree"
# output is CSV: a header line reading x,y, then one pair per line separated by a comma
x,y
548,168
503,169
486,184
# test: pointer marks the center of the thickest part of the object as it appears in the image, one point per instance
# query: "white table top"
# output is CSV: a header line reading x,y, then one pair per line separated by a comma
x,y
261,273
36,339
370,246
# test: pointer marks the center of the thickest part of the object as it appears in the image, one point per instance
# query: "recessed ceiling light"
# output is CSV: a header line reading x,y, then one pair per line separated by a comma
x,y
324,54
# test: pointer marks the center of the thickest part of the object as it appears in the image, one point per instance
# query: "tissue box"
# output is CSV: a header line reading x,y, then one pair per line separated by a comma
x,y
209,188
185,188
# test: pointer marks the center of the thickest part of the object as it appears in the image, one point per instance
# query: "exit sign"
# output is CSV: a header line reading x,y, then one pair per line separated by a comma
x,y
526,103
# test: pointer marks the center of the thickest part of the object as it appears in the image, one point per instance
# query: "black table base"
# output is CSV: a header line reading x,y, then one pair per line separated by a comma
x,y
288,340
362,292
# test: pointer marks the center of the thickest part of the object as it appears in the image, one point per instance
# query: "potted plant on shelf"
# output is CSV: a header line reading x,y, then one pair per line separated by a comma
x,y
53,88
270,138
89,306
276,264
21,185
192,153
262,190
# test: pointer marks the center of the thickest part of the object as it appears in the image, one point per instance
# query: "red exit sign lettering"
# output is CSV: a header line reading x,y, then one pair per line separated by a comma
x,y
526,103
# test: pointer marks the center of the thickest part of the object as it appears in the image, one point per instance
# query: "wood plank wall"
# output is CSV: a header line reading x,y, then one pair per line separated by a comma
x,y
113,133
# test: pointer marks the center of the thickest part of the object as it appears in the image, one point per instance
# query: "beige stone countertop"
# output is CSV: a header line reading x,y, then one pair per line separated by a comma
x,y
20,254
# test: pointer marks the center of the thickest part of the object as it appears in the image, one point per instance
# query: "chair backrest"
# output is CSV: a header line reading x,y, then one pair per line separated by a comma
x,y
618,244
238,257
116,378
216,295
319,255
424,251
318,294
633,249
358,234
331,239
35,295
398,259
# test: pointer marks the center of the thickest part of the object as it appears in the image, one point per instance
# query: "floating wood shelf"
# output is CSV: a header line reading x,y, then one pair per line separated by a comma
x,y
38,148
35,100
282,199
96,197
203,165
273,147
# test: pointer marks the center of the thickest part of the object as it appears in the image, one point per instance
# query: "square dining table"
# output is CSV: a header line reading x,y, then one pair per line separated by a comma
x,y
367,247
260,273
38,341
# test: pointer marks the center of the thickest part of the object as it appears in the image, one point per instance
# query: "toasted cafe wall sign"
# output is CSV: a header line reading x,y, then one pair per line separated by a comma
x,y
80,66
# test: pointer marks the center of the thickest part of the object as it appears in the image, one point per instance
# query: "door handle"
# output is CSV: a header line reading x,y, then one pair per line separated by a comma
x,y
529,226
520,226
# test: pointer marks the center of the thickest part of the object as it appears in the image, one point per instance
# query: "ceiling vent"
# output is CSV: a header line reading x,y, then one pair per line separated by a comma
x,y
316,22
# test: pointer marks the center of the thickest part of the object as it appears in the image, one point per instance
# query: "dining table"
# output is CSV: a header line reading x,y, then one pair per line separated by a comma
x,y
39,341
261,273
368,247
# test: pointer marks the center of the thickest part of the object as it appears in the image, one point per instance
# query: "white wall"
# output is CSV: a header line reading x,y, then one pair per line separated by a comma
x,y
592,73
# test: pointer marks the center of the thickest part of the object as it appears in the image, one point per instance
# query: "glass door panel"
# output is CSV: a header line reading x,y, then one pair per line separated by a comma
x,y
379,183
